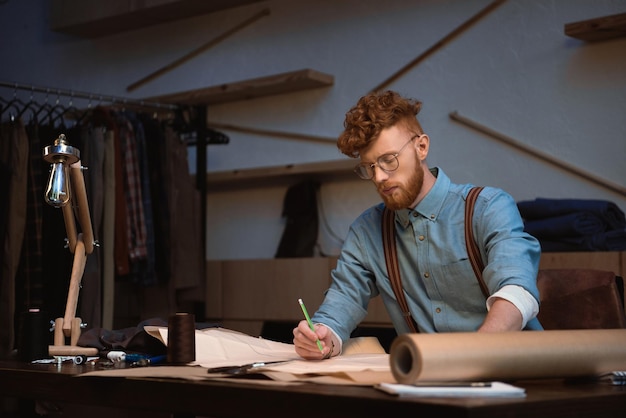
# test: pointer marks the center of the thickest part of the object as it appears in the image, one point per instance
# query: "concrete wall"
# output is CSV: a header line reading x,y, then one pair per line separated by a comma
x,y
514,71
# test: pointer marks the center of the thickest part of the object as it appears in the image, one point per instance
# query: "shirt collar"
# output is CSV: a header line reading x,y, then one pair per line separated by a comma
x,y
430,206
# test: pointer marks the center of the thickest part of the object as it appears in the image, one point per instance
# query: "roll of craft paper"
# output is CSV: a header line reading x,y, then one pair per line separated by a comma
x,y
507,356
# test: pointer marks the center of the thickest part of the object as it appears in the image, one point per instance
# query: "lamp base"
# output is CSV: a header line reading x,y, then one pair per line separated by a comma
x,y
60,349
71,350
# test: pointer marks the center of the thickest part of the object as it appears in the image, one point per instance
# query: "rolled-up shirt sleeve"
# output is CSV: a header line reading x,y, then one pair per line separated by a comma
x,y
520,298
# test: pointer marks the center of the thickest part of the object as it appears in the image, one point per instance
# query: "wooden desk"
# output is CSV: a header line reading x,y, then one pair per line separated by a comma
x,y
549,398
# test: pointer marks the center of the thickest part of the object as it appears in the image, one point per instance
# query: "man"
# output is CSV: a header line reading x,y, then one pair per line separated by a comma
x,y
441,289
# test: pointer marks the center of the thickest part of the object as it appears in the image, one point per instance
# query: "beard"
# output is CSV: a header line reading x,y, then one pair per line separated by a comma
x,y
405,194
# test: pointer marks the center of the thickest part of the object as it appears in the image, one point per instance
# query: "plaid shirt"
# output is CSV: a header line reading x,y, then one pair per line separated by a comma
x,y
136,227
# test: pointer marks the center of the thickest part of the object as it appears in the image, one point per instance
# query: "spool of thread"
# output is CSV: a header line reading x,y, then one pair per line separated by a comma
x,y
116,356
181,338
33,335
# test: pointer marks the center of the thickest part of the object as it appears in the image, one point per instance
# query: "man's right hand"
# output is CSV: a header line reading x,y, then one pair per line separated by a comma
x,y
305,341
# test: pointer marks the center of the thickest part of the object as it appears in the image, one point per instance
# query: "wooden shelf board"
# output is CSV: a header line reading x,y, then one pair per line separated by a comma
x,y
598,29
92,19
252,88
254,176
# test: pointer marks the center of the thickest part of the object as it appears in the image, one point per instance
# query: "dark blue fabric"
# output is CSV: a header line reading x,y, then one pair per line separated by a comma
x,y
542,208
575,224
614,240
570,225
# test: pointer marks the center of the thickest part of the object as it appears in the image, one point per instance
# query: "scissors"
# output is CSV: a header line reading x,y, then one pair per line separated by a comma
x,y
243,369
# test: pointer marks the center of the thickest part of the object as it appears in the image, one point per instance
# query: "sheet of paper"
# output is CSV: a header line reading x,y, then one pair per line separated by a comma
x,y
340,364
350,369
495,389
217,347
363,345
362,362
364,378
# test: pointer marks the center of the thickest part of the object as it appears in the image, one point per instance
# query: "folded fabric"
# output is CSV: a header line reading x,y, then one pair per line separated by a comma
x,y
570,225
614,240
131,339
541,208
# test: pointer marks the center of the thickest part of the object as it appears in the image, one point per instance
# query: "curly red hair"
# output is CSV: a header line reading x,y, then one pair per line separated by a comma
x,y
373,113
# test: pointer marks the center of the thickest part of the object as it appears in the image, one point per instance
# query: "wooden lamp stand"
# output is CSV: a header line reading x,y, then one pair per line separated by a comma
x,y
80,245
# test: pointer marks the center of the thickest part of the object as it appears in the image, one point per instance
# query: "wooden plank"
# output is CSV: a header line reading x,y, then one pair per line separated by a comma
x,y
440,44
213,297
250,327
272,133
334,168
598,260
206,46
537,153
92,19
598,29
268,289
252,88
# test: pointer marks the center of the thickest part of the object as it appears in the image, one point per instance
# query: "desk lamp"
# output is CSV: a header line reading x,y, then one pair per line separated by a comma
x,y
66,190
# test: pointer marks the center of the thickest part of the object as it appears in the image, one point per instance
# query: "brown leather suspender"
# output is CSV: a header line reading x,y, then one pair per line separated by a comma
x,y
472,249
393,269
391,256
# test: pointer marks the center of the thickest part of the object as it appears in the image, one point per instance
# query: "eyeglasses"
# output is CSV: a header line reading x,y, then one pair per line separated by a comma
x,y
387,162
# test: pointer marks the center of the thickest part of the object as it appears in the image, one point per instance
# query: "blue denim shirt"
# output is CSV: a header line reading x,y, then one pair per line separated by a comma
x,y
440,286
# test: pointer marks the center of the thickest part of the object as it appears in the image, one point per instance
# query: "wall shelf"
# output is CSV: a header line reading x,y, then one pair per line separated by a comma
x,y
336,169
92,19
598,29
249,89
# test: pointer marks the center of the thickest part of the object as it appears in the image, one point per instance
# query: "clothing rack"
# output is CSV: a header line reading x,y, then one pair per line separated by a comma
x,y
198,123
124,101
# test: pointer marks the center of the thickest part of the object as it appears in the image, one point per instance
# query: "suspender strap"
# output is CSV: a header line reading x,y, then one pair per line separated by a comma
x,y
393,269
472,248
391,256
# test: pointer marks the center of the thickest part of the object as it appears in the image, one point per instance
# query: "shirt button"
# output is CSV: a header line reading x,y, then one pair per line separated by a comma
x,y
427,275
415,214
432,216
438,310
421,238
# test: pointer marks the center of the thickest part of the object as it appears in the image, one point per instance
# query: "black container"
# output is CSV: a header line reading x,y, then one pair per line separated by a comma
x,y
33,336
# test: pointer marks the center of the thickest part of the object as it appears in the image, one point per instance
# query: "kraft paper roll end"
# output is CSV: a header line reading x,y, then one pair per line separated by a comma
x,y
505,356
405,360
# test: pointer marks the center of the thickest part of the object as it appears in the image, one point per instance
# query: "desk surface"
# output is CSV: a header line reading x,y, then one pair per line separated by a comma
x,y
235,399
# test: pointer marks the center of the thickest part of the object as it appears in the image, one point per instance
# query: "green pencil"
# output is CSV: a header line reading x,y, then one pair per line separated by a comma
x,y
308,319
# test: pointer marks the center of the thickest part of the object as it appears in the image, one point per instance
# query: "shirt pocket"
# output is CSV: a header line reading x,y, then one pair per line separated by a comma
x,y
459,287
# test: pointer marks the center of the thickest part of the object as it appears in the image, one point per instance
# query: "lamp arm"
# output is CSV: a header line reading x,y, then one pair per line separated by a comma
x,y
78,268
80,193
80,245
70,227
